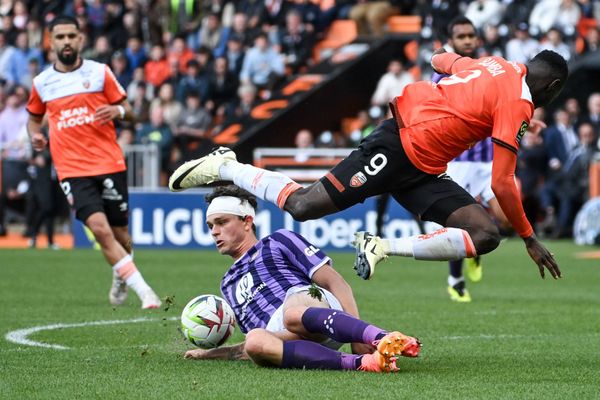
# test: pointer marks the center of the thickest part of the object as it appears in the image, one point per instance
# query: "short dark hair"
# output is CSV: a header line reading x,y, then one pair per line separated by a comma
x,y
555,63
63,20
459,20
234,191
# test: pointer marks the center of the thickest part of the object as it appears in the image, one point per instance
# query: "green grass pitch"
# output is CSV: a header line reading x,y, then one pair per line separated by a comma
x,y
521,338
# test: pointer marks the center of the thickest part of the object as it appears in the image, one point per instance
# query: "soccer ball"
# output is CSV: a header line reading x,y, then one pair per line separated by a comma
x,y
207,321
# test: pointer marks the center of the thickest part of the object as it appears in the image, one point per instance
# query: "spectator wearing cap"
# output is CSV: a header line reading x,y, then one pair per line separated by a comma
x,y
522,47
555,43
194,81
18,65
118,64
211,32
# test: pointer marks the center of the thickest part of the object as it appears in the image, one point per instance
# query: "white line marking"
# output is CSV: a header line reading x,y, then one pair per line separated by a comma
x,y
20,336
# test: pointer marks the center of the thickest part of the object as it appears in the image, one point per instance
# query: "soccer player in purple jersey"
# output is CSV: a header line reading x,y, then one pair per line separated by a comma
x,y
294,308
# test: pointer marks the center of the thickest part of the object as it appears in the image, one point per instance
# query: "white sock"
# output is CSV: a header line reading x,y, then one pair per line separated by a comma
x,y
442,245
453,280
267,185
127,271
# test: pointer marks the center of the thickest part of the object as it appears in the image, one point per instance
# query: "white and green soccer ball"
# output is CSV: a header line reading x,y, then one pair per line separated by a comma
x,y
207,321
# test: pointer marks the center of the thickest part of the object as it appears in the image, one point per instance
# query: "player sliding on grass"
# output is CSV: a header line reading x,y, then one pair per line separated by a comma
x,y
408,154
81,99
294,308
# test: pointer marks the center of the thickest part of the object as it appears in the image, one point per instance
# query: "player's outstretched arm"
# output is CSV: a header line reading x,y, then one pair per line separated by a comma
x,y
34,128
507,194
235,352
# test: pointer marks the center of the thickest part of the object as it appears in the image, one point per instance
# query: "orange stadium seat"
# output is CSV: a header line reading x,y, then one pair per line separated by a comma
x,y
404,24
341,32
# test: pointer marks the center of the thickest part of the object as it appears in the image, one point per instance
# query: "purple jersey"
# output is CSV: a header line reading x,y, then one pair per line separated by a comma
x,y
482,151
256,284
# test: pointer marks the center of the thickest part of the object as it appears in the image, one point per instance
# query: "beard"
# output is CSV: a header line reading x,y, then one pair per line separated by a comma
x,y
68,59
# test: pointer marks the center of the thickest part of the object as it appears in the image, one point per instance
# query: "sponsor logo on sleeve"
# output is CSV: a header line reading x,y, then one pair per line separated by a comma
x,y
521,132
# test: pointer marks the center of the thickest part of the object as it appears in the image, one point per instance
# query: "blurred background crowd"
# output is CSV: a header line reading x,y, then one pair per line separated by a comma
x,y
190,67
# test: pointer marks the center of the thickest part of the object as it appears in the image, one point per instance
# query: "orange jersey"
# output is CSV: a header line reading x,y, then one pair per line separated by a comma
x,y
483,97
79,146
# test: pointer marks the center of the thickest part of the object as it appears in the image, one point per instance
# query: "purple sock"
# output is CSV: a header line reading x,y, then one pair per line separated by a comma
x,y
340,326
310,355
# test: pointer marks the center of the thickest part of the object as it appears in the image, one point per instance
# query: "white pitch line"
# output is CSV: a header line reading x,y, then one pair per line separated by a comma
x,y
20,336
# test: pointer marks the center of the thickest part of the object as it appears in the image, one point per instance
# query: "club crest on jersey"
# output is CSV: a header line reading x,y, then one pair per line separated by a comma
x,y
86,84
521,132
358,179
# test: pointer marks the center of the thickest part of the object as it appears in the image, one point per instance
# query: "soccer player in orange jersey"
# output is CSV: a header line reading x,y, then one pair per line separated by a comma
x,y
81,98
407,156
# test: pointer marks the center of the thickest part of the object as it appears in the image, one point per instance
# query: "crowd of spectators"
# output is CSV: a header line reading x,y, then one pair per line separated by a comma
x,y
191,66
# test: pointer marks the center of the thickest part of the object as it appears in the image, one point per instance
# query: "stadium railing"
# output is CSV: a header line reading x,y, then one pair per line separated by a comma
x,y
143,166
304,165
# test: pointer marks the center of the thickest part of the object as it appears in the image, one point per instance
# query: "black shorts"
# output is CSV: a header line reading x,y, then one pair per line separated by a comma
x,y
380,165
102,193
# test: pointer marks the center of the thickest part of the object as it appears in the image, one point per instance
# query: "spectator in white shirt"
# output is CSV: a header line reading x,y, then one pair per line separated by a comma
x,y
522,47
555,43
391,84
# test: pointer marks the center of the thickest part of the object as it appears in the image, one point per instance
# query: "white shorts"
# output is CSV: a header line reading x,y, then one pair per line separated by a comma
x,y
276,322
473,176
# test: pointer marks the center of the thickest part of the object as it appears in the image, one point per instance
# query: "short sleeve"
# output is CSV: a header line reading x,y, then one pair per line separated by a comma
x,y
35,105
511,121
300,253
113,90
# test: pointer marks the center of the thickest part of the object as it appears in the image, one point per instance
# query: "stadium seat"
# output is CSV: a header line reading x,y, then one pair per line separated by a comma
x,y
341,32
404,24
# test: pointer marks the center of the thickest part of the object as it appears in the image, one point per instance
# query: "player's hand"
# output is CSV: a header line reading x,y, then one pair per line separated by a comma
x,y
197,354
542,257
536,126
362,348
106,113
38,141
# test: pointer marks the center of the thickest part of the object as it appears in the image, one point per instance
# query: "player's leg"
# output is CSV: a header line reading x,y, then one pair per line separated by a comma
x,y
316,319
115,197
366,172
468,228
268,349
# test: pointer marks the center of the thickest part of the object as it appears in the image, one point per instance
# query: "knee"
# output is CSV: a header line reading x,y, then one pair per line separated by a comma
x,y
486,239
102,233
255,342
292,319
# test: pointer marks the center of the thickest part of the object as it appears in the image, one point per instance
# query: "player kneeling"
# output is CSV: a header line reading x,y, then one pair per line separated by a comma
x,y
294,308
